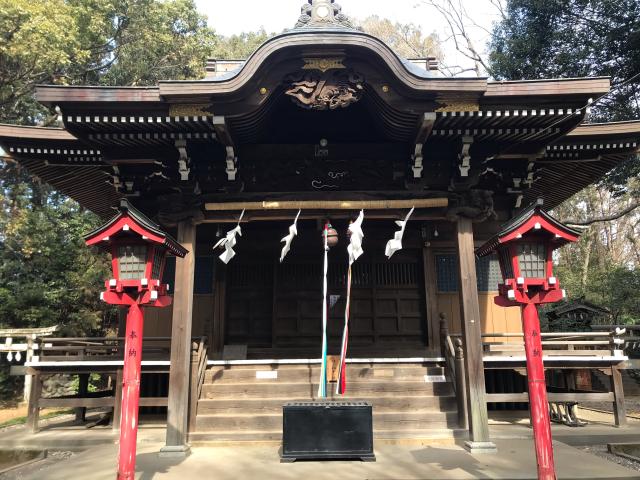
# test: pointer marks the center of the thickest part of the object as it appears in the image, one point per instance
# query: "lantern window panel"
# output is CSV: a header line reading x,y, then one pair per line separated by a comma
x,y
505,260
532,260
157,263
132,261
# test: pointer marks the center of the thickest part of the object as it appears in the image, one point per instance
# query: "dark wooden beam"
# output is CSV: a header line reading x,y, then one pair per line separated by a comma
x,y
431,298
328,204
179,372
425,127
472,333
216,342
224,137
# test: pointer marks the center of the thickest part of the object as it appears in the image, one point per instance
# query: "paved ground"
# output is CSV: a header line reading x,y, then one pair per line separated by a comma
x,y
95,456
515,461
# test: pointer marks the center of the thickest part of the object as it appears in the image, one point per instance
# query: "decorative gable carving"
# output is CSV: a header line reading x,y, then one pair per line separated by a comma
x,y
325,90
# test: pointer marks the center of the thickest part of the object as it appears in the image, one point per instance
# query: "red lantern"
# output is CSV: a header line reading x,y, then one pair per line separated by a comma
x,y
525,247
525,251
138,250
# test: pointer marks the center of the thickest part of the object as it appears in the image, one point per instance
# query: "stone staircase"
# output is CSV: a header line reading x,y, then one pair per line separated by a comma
x,y
243,403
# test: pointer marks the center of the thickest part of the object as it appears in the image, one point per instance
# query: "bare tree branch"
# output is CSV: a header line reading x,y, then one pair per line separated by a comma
x,y
457,20
606,218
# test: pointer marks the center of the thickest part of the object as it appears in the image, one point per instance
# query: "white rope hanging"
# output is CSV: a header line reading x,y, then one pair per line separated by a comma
x,y
395,243
229,241
293,231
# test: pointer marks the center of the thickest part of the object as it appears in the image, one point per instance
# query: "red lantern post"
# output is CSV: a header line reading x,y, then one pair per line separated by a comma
x,y
138,250
525,248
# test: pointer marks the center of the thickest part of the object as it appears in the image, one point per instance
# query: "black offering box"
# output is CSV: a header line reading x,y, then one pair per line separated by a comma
x,y
327,431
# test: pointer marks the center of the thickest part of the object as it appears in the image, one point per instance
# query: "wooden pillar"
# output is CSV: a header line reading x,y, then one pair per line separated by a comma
x,y
619,409
431,299
29,358
83,390
117,402
216,339
179,371
33,409
472,334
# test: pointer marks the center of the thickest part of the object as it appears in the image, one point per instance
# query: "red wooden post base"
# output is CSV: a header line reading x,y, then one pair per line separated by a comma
x,y
130,393
538,393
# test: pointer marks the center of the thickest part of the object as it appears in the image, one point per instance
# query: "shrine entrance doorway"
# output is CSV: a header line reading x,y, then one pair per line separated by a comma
x,y
275,308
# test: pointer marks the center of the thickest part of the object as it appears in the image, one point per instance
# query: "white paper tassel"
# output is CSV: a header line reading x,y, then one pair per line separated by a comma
x,y
395,243
229,241
355,239
293,231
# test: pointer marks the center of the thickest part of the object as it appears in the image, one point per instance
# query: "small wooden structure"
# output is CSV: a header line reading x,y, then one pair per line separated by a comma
x,y
15,351
328,119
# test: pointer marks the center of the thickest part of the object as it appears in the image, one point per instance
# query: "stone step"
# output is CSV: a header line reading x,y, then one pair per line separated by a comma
x,y
308,373
436,435
274,405
393,421
309,390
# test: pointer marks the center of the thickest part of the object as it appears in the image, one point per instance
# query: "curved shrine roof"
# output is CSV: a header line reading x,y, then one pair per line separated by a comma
x,y
323,79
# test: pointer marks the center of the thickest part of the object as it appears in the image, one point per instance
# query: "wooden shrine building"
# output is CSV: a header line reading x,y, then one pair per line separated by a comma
x,y
326,119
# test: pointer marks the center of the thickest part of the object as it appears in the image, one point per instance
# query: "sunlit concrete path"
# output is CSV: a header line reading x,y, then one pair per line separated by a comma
x,y
514,461
96,449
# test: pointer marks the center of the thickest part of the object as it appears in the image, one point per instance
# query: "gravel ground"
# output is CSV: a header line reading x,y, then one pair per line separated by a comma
x,y
53,457
602,451
632,404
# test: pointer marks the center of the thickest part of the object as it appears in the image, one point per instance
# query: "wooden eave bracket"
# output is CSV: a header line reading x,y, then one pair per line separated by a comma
x,y
224,137
183,161
464,157
425,127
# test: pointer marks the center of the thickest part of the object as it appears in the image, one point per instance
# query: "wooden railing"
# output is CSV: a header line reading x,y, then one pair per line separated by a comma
x,y
99,348
630,333
565,351
102,355
607,343
454,360
199,359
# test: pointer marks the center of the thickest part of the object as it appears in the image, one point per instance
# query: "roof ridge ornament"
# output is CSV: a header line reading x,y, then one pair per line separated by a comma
x,y
321,13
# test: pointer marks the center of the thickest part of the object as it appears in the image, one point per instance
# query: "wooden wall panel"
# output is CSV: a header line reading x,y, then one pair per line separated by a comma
x,y
157,321
494,318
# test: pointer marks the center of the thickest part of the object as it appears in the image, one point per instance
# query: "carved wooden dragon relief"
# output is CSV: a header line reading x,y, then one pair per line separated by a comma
x,y
325,91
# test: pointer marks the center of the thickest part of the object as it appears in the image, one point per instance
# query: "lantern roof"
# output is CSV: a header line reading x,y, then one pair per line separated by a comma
x,y
532,218
131,219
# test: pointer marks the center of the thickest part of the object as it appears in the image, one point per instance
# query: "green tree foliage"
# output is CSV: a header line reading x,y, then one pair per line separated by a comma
x,y
603,267
575,38
47,275
38,41
95,42
240,46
